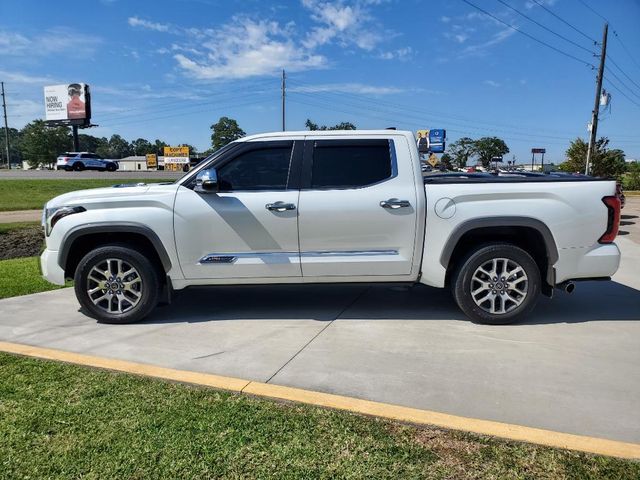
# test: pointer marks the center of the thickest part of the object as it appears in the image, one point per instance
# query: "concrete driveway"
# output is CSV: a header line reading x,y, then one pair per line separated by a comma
x,y
573,367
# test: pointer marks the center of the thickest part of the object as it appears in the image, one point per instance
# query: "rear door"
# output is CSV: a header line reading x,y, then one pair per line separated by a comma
x,y
357,208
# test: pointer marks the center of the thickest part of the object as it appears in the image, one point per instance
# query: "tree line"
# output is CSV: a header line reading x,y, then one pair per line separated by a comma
x,y
39,145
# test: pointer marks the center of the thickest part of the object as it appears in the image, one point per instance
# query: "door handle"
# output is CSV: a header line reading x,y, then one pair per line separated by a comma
x,y
280,206
394,203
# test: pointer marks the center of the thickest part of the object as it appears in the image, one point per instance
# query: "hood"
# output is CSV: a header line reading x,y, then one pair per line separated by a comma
x,y
97,196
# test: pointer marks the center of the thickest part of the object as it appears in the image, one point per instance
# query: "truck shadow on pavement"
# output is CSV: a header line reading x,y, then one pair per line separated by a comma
x,y
591,301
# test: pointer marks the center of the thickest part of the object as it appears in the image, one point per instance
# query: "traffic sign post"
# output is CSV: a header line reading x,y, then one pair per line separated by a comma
x,y
533,157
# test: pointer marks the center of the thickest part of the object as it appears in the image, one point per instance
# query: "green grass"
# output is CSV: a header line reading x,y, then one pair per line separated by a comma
x,y
33,194
65,421
21,276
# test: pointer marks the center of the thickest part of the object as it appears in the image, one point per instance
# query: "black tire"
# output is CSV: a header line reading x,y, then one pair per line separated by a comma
x,y
148,289
463,281
111,167
78,166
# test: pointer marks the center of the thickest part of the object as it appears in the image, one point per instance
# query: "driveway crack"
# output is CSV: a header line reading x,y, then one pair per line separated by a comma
x,y
347,307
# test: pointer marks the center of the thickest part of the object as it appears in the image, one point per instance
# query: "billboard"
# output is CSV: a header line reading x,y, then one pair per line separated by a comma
x,y
68,103
175,156
431,140
152,161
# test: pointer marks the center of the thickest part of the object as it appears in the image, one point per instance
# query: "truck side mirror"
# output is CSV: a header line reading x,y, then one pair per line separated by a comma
x,y
207,181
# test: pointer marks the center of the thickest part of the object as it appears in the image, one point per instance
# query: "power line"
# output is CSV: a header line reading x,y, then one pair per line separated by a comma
x,y
565,22
622,71
542,42
622,82
611,84
615,34
586,5
546,28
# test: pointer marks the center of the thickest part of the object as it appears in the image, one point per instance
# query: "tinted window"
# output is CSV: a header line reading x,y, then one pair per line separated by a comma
x,y
350,164
263,169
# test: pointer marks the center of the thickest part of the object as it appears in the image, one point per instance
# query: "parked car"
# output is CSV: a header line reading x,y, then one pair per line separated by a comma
x,y
335,206
79,161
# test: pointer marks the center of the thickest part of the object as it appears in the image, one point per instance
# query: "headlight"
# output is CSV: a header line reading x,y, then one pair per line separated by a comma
x,y
53,215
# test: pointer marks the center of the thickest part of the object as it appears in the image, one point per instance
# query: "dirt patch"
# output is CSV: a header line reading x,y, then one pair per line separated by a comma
x,y
21,242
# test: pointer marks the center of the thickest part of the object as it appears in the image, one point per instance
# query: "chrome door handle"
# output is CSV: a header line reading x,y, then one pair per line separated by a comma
x,y
280,206
394,203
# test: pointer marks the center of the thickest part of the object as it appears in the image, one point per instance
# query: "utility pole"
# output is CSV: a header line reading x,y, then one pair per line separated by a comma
x,y
596,107
284,89
6,127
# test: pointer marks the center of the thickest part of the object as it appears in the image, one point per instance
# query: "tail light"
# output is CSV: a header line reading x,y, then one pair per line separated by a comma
x,y
613,219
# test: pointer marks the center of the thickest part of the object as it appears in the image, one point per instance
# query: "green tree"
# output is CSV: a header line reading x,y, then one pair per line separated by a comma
x,y
447,161
225,131
89,143
142,146
15,141
632,179
340,126
604,163
119,147
462,150
40,145
488,147
159,147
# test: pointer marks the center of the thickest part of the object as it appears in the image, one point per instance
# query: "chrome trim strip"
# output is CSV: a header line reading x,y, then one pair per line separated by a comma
x,y
227,258
354,253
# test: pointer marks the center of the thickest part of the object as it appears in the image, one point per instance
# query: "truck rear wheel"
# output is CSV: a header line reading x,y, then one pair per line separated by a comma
x,y
496,284
116,284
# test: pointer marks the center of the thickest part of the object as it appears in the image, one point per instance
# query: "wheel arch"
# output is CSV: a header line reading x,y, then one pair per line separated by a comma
x,y
78,241
530,234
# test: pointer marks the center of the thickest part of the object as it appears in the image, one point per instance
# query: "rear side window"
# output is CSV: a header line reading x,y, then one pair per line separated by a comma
x,y
262,169
350,163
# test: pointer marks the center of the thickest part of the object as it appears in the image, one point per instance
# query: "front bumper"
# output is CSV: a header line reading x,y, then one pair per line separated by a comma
x,y
51,271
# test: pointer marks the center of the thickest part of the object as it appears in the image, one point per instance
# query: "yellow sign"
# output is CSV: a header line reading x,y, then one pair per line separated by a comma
x,y
433,160
176,151
152,160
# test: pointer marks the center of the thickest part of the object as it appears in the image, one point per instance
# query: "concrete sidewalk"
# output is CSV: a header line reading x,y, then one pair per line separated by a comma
x,y
21,216
572,367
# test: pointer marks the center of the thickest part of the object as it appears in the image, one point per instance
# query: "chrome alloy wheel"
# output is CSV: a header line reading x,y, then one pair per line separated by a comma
x,y
114,286
499,285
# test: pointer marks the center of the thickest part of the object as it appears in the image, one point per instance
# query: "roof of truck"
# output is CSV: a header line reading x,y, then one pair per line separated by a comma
x,y
328,133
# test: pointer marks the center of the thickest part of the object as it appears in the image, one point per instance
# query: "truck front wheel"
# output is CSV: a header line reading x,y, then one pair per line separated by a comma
x,y
496,284
116,284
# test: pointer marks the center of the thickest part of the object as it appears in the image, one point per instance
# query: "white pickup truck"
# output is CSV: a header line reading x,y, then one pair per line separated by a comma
x,y
335,206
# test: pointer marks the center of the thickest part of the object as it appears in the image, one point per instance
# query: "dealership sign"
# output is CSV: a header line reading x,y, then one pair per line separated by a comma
x,y
67,103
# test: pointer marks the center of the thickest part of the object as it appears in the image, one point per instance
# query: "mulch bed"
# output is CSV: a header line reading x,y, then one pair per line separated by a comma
x,y
21,242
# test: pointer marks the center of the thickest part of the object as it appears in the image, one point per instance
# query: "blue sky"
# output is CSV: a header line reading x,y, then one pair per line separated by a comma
x,y
169,69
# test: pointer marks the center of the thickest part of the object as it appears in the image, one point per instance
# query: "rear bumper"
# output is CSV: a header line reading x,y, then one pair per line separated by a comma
x,y
594,262
51,271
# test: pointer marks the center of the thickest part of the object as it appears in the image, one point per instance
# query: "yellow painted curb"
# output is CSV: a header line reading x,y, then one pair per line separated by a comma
x,y
538,436
206,379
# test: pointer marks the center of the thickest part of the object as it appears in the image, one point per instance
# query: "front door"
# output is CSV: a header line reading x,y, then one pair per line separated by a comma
x,y
249,229
357,209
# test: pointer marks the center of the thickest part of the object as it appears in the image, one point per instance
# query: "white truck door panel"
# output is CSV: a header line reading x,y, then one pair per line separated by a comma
x,y
366,230
240,233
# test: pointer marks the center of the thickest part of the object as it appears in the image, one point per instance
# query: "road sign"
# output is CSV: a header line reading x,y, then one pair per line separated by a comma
x,y
538,150
152,161
433,160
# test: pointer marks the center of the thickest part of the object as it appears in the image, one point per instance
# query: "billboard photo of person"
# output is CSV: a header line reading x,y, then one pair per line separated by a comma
x,y
76,105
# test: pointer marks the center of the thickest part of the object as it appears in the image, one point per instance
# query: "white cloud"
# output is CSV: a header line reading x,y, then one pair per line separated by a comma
x,y
492,83
246,48
58,40
358,88
23,78
445,19
497,38
347,24
142,23
460,37
400,54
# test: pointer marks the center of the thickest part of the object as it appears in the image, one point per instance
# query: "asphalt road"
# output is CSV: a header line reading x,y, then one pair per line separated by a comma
x,y
55,174
573,366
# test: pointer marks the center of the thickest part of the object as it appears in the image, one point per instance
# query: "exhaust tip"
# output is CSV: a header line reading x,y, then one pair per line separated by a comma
x,y
569,287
